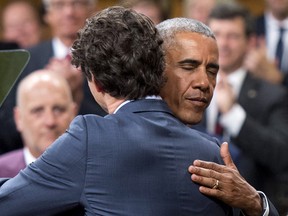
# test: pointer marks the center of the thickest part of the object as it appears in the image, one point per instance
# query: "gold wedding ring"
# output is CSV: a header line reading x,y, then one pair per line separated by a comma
x,y
216,185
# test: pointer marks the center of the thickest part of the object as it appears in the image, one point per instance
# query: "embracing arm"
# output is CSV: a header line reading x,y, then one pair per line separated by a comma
x,y
53,183
231,188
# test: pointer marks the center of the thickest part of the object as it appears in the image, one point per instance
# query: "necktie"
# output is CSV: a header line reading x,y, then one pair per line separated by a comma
x,y
218,127
280,47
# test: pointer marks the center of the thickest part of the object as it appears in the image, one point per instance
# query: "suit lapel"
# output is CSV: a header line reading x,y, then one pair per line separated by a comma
x,y
249,93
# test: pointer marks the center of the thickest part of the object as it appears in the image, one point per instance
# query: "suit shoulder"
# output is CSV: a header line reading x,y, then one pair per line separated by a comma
x,y
208,137
82,123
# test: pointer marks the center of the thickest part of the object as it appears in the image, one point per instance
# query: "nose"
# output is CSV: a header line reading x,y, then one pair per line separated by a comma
x,y
200,79
68,8
50,118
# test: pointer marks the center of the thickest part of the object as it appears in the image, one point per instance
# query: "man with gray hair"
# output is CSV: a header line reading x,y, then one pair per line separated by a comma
x,y
191,70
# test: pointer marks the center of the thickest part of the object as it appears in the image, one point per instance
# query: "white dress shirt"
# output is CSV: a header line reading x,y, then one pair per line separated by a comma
x,y
60,50
28,157
233,120
272,37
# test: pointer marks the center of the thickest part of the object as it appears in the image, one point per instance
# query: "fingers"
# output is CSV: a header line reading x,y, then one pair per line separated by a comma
x,y
207,168
206,177
212,183
226,156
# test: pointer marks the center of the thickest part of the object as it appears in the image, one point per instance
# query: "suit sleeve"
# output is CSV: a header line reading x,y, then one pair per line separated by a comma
x,y
54,182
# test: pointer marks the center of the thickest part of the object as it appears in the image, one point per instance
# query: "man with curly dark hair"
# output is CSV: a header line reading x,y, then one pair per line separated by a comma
x,y
132,162
129,65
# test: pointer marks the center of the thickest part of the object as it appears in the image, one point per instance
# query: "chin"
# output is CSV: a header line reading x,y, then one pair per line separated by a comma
x,y
195,119
191,120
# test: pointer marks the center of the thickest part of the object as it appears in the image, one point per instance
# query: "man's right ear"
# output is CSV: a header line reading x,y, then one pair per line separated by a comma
x,y
98,87
17,118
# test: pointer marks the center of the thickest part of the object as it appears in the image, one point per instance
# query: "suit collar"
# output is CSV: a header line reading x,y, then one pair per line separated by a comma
x,y
145,105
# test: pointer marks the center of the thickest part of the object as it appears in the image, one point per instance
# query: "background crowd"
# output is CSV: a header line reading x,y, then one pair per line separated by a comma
x,y
250,104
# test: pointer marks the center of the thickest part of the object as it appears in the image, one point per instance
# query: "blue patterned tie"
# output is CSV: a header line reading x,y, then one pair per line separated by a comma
x,y
280,47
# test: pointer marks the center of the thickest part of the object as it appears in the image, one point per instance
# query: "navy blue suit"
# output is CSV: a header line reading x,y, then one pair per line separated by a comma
x,y
133,162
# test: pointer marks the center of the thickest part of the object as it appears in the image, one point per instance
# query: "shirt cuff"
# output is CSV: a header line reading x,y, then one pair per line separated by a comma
x,y
264,203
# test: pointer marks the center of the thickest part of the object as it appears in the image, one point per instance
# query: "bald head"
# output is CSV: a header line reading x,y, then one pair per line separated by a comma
x,y
42,79
44,109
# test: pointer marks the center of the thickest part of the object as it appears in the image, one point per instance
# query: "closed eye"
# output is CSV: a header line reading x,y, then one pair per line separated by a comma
x,y
189,64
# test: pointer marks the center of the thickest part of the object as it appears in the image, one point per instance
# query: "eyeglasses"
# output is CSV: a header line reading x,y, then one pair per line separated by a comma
x,y
60,5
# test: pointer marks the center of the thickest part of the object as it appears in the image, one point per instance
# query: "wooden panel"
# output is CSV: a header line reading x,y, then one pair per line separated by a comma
x,y
256,6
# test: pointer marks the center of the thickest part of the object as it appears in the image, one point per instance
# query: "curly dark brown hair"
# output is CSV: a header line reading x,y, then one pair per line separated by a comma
x,y
122,50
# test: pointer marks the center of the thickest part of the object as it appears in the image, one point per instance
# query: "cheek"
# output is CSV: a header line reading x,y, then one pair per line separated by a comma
x,y
171,90
27,123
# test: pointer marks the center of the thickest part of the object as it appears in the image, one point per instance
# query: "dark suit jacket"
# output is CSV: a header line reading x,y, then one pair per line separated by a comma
x,y
133,162
40,54
263,138
260,26
11,163
8,45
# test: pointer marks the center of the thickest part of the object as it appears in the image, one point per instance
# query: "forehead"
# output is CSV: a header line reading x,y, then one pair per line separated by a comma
x,y
45,91
195,46
22,7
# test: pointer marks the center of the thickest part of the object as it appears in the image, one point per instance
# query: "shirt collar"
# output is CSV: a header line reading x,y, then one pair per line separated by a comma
x,y
60,50
273,23
28,157
127,101
236,79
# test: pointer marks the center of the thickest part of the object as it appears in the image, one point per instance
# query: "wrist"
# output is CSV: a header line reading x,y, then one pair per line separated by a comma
x,y
261,206
256,206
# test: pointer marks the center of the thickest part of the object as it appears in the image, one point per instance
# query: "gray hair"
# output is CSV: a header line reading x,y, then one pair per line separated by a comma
x,y
170,27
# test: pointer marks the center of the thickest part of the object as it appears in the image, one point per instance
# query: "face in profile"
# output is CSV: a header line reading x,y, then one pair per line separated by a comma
x,y
191,70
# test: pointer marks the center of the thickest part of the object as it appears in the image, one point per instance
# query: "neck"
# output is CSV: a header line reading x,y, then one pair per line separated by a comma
x,y
280,16
112,103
